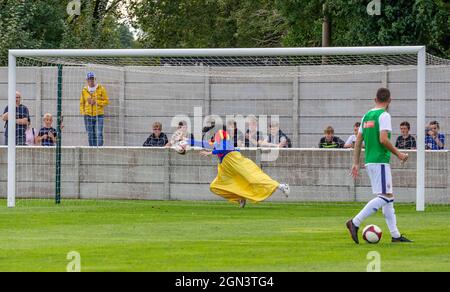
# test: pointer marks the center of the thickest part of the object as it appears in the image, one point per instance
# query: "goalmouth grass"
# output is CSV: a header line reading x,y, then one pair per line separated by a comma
x,y
213,236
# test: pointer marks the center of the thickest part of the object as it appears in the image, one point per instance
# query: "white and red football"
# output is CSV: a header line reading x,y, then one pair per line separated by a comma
x,y
372,234
181,147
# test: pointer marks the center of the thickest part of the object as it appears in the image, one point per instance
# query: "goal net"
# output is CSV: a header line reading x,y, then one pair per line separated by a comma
x,y
96,112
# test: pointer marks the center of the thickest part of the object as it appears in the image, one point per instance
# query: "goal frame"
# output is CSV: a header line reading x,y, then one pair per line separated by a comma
x,y
420,51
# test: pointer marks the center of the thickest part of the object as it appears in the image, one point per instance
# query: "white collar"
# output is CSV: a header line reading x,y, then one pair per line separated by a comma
x,y
92,89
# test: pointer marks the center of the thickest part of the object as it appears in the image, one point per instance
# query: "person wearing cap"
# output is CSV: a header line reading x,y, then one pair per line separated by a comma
x,y
22,115
93,100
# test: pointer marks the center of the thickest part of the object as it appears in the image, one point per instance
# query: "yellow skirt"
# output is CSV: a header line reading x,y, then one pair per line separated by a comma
x,y
240,178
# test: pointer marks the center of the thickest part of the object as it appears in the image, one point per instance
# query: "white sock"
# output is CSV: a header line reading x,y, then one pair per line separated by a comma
x,y
391,219
371,208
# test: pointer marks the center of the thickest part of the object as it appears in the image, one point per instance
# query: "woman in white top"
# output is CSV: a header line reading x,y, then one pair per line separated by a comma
x,y
352,139
30,135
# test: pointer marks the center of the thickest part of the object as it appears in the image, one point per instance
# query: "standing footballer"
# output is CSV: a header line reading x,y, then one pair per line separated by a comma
x,y
375,131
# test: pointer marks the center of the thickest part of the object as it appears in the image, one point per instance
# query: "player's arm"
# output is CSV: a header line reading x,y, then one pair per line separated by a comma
x,y
203,144
357,155
384,140
205,153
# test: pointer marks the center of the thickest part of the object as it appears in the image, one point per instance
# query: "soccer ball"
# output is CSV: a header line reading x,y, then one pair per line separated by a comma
x,y
180,147
372,233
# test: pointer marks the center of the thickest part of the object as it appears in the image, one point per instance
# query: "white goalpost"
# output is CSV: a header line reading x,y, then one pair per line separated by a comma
x,y
308,57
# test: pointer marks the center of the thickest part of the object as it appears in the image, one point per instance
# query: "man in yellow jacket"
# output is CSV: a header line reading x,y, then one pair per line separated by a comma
x,y
93,99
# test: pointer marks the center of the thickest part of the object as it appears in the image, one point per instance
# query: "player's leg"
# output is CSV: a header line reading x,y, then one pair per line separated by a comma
x,y
389,210
377,175
258,185
223,185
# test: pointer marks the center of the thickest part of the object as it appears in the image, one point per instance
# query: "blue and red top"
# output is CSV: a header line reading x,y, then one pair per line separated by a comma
x,y
222,145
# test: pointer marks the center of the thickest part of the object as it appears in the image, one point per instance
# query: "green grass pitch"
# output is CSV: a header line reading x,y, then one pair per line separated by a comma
x,y
213,236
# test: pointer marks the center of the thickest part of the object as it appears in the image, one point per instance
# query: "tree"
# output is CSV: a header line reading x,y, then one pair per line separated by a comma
x,y
47,22
14,17
259,24
402,22
181,23
208,23
126,37
37,24
96,27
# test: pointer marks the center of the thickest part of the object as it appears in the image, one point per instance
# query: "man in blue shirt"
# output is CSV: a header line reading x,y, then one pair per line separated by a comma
x,y
434,140
22,115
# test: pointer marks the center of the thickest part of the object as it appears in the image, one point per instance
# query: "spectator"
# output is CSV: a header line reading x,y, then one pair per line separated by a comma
x,y
180,134
30,135
350,143
157,138
208,131
330,141
93,100
405,141
252,135
238,140
22,115
433,139
276,137
47,135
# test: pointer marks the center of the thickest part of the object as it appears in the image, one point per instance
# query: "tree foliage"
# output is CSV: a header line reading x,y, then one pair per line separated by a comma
x,y
222,23
46,25
15,16
269,23
208,23
402,22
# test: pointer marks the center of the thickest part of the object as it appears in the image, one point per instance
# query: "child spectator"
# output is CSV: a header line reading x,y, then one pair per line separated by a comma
x,y
238,138
47,134
180,134
405,141
157,138
252,135
352,139
434,140
30,135
330,141
276,137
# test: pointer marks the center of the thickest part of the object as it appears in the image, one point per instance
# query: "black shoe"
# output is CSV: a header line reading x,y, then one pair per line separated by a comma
x,y
401,239
353,230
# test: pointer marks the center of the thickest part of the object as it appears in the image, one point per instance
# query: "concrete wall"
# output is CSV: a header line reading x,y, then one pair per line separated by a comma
x,y
307,99
162,174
